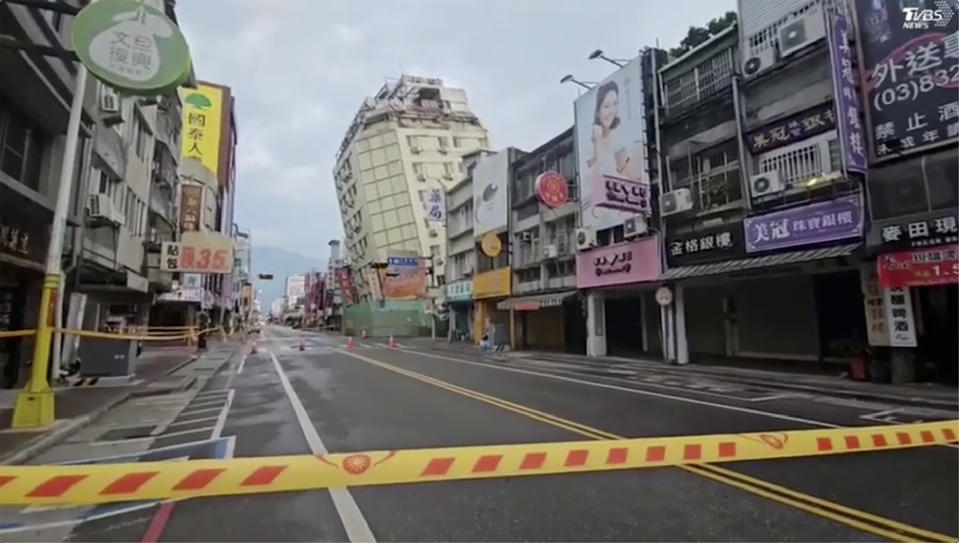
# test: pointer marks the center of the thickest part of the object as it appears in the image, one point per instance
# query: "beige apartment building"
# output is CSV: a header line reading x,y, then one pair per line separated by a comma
x,y
404,143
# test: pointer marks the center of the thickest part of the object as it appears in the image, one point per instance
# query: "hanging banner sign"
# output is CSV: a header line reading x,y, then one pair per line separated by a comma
x,y
198,252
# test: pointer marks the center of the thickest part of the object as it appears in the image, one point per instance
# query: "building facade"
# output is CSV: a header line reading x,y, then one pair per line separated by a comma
x,y
403,143
35,96
542,232
618,242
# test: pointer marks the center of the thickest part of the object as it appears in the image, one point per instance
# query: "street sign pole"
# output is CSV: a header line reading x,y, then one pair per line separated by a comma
x,y
35,404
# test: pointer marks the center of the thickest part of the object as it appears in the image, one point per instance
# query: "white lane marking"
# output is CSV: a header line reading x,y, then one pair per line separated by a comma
x,y
78,520
636,391
188,412
221,420
239,369
354,523
780,416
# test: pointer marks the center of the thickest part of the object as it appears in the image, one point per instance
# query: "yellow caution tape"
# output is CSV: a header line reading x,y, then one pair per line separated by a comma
x,y
16,333
104,483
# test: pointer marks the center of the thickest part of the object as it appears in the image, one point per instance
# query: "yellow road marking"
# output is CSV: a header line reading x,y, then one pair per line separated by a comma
x,y
744,482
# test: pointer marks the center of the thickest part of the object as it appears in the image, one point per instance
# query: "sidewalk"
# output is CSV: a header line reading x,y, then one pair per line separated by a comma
x,y
916,394
77,406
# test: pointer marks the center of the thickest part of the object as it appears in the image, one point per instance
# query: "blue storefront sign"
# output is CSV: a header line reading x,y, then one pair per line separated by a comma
x,y
811,224
460,291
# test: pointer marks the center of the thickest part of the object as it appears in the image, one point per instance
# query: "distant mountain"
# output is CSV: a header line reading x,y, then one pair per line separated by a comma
x,y
280,263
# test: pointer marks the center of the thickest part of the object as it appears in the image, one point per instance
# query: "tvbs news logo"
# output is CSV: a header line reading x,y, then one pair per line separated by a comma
x,y
924,19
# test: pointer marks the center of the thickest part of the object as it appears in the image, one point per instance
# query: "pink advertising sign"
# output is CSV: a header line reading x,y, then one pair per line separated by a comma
x,y
619,264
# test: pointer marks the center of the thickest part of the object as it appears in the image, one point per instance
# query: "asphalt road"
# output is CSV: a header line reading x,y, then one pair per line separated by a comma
x,y
323,398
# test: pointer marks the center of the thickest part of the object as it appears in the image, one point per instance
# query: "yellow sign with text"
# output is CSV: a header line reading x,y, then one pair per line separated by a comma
x,y
491,245
491,284
202,119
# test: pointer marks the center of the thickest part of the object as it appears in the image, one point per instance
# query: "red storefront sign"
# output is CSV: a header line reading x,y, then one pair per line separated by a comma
x,y
920,267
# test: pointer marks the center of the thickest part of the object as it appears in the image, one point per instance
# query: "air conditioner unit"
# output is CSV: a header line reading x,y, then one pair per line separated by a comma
x,y
109,100
153,236
415,149
421,178
675,201
634,226
585,238
760,62
765,184
448,177
439,262
802,31
101,207
444,150
550,251
433,233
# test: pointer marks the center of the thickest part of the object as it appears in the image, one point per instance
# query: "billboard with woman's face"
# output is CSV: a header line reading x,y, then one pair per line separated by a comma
x,y
611,149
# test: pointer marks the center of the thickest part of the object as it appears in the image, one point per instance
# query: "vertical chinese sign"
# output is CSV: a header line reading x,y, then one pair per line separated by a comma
x,y
202,121
844,78
910,65
191,206
435,205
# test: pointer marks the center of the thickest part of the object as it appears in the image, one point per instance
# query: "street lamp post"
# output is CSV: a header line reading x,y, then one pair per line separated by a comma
x,y
568,78
35,406
618,62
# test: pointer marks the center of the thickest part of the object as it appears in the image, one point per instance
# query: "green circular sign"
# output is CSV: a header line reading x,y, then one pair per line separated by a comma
x,y
131,46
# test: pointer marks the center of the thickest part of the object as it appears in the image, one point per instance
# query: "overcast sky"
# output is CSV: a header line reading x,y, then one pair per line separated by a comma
x,y
300,68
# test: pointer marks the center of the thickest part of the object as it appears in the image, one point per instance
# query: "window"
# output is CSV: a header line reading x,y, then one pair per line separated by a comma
x,y
448,168
560,268
21,147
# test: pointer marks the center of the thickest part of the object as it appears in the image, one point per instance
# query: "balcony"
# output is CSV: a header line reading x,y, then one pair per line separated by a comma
x,y
708,78
803,160
716,189
526,287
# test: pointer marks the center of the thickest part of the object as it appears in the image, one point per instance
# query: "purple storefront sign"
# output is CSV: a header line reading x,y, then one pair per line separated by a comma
x,y
807,225
622,194
847,97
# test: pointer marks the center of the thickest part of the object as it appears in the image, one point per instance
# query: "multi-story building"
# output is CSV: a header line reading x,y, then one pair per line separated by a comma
x,y
35,96
913,185
204,202
460,261
295,291
403,143
618,241
542,232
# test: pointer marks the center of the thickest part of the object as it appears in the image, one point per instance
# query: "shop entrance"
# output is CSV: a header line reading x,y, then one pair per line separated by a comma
x,y
938,319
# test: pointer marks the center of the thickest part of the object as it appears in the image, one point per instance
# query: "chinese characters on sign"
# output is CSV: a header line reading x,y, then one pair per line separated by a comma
x,y
24,227
792,129
552,189
619,264
889,316
833,220
902,324
347,292
844,78
938,230
709,245
459,291
202,118
435,205
130,45
404,278
912,77
622,194
932,266
191,205
874,303
198,252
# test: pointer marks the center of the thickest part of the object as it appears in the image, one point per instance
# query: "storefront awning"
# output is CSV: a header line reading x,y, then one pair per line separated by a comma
x,y
533,303
779,259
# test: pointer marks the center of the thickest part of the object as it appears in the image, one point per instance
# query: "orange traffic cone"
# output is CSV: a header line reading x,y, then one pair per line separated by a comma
x,y
253,348
392,344
302,347
349,343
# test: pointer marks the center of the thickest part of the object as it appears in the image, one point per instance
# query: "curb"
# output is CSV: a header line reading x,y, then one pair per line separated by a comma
x,y
914,401
57,435
180,366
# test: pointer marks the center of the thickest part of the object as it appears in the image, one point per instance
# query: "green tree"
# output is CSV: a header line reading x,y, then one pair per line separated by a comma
x,y
699,34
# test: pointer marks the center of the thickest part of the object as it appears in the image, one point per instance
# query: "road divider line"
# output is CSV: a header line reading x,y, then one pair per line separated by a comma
x,y
881,526
354,523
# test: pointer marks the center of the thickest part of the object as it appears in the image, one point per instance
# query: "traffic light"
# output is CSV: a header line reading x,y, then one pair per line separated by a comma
x,y
265,276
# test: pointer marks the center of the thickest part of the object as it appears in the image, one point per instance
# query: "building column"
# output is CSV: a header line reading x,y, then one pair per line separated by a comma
x,y
595,324
682,347
644,337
